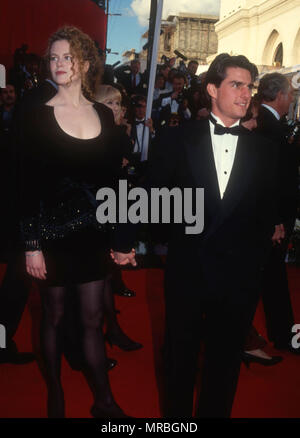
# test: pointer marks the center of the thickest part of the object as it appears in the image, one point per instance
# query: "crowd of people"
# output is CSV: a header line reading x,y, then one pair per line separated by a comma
x,y
69,128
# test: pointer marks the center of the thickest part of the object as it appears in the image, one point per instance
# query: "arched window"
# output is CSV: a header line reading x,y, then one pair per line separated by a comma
x,y
271,43
296,49
278,57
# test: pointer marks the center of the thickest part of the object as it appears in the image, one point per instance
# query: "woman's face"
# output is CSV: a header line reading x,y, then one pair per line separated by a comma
x,y
115,105
62,69
252,123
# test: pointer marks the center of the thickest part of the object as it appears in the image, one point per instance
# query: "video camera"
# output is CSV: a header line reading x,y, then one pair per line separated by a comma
x,y
292,132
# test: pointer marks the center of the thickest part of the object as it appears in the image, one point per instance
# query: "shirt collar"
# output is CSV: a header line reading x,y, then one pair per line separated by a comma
x,y
221,123
273,111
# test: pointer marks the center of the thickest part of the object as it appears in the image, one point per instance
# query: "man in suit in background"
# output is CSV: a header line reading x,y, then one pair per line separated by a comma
x,y
276,95
133,80
212,279
14,288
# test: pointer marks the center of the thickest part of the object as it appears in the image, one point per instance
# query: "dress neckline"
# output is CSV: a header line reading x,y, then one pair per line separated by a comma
x,y
72,136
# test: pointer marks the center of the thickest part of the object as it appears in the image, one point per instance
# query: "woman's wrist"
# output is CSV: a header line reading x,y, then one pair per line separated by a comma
x,y
32,253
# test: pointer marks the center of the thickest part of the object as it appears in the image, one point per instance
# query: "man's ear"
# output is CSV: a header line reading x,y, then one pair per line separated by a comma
x,y
212,90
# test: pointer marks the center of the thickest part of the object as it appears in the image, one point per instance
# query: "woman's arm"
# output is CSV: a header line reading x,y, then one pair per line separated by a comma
x,y
30,181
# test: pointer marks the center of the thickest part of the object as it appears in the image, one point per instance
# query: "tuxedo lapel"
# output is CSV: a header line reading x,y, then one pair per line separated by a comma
x,y
202,164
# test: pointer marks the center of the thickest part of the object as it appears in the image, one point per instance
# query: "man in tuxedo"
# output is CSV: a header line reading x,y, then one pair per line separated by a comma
x,y
212,279
276,95
139,156
133,80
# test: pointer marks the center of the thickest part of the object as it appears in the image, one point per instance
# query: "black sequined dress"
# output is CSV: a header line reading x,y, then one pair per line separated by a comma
x,y
60,176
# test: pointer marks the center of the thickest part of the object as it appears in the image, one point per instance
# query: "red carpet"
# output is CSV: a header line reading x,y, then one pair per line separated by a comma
x,y
266,392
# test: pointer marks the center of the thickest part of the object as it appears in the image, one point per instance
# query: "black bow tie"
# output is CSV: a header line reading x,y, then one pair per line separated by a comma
x,y
220,130
139,122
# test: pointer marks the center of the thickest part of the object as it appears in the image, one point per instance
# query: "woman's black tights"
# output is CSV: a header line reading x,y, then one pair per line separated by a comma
x,y
91,306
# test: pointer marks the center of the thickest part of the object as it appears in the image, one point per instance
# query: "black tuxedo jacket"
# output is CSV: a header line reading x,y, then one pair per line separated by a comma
x,y
124,78
271,128
228,255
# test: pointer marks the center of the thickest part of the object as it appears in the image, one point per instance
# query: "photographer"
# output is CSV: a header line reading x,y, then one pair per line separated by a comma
x,y
174,102
193,79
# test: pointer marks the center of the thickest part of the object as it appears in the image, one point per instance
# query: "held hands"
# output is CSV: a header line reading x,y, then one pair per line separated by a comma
x,y
279,234
123,259
35,264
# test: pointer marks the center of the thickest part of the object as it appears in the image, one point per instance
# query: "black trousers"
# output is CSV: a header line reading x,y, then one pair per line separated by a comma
x,y
276,294
14,293
223,324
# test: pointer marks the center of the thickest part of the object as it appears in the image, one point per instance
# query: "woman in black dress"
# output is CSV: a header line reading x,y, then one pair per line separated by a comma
x,y
68,154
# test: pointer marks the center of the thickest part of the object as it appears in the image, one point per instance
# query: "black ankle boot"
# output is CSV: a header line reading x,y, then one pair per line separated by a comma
x,y
122,341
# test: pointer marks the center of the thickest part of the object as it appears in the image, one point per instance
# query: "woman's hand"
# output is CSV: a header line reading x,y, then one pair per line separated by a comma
x,y
279,234
35,264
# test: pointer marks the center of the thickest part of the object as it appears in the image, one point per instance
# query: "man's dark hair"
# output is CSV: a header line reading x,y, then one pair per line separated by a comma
x,y
193,61
135,61
217,71
137,99
179,75
270,85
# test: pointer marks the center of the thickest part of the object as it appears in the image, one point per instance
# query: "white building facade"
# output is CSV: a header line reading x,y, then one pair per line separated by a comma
x,y
266,31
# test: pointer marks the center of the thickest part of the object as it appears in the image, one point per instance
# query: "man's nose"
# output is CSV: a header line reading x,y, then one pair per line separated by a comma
x,y
246,92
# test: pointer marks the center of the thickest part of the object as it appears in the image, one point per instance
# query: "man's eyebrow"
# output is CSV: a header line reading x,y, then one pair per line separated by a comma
x,y
237,83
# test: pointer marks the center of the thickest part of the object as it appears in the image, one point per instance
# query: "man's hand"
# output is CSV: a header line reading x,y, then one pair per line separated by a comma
x,y
185,104
149,123
123,259
279,234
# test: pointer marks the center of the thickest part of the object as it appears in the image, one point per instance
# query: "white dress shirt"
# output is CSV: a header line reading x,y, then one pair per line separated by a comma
x,y
137,78
174,105
140,134
224,148
273,111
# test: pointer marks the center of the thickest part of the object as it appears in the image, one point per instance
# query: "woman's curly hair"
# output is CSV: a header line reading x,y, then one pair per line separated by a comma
x,y
83,48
